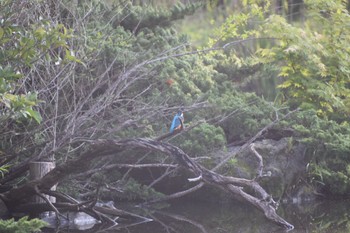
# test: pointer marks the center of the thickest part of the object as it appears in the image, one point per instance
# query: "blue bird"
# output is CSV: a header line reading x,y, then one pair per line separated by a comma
x,y
177,122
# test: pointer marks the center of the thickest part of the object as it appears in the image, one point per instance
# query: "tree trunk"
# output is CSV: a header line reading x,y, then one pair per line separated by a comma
x,y
38,170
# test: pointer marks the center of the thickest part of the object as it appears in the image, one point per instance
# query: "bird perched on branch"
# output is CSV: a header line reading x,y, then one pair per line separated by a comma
x,y
178,121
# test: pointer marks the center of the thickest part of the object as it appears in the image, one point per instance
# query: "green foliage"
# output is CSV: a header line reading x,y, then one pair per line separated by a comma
x,y
312,77
203,139
312,60
20,49
130,73
133,190
329,147
309,62
21,106
23,225
149,17
182,80
246,113
331,182
321,133
4,169
241,25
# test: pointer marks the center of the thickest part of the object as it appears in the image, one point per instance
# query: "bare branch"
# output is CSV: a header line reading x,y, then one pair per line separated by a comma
x,y
178,194
261,165
101,148
137,166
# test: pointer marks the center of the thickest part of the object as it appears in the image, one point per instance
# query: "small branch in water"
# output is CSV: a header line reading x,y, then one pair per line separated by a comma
x,y
57,213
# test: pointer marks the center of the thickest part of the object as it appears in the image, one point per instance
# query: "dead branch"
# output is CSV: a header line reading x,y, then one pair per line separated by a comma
x,y
177,195
262,201
133,166
137,162
251,140
53,208
261,165
111,210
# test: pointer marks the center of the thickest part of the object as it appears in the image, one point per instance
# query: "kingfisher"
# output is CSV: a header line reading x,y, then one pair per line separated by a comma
x,y
178,121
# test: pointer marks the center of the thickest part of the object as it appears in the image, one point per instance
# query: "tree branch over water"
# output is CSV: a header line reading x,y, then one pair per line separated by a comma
x,y
99,148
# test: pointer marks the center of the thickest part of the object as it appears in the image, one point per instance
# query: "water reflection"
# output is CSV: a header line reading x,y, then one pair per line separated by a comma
x,y
199,217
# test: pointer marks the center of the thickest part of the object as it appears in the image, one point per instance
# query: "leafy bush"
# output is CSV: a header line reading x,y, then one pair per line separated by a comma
x,y
204,139
329,147
23,225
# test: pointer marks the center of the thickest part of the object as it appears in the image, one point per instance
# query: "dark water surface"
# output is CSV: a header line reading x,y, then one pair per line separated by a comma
x,y
200,217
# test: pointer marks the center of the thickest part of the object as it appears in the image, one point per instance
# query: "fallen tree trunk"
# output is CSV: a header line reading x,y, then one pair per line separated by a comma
x,y
261,200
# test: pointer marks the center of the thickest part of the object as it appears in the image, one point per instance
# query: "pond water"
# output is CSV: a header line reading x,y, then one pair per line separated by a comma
x,y
200,217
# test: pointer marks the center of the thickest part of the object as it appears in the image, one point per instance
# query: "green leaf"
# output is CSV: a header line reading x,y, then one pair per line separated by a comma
x,y
32,96
35,115
40,33
70,56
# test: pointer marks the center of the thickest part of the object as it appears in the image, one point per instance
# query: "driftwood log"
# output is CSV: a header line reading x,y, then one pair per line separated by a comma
x,y
236,186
